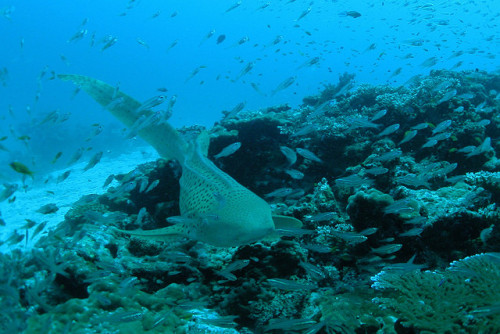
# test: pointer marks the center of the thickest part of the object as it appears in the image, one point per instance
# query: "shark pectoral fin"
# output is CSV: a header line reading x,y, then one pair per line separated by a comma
x,y
161,234
284,226
286,222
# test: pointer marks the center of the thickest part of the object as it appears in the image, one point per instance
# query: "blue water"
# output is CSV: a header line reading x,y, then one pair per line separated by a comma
x,y
388,35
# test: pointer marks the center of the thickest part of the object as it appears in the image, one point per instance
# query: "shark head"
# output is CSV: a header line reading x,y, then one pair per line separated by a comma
x,y
236,215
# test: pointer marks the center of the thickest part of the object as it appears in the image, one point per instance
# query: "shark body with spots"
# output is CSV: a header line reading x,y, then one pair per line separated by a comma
x,y
219,210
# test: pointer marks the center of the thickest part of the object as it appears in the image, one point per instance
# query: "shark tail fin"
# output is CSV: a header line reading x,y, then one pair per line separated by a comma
x,y
161,135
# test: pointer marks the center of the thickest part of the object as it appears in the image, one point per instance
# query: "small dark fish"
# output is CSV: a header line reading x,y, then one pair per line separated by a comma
x,y
387,249
441,126
389,130
48,208
207,36
353,180
76,156
402,206
378,115
256,88
283,85
429,62
309,63
142,42
174,43
306,129
420,126
143,183
317,248
447,96
369,231
77,36
109,43
239,107
281,192
397,72
221,39
63,176
29,224
242,40
9,189
14,238
244,71
404,267
290,155
57,156
234,6
295,174
228,150
416,231
234,266
291,325
388,156
304,13
151,103
108,181
352,238
39,229
351,13
409,135
153,185
413,180
305,153
122,317
24,138
267,4
21,169
323,216
355,123
430,143
194,72
285,284
93,161
156,14
376,170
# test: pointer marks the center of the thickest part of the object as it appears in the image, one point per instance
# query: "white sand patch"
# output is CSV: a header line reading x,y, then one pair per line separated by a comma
x,y
78,184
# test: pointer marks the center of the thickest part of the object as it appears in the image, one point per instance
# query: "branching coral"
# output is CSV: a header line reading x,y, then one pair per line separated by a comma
x,y
461,299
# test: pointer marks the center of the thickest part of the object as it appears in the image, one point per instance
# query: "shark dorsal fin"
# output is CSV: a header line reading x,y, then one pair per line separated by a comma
x,y
203,142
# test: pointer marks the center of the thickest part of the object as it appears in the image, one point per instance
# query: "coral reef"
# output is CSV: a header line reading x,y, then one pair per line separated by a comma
x,y
388,182
462,298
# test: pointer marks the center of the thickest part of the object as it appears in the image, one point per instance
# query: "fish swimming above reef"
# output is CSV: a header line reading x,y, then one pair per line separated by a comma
x,y
21,168
220,211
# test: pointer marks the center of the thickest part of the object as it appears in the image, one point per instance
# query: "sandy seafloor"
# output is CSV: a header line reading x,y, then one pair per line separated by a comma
x,y
67,192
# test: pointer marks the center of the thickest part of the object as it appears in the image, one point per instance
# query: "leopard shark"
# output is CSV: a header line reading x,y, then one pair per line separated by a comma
x,y
214,207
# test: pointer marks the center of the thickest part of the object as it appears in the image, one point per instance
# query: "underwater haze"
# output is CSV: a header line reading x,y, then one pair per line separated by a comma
x,y
229,166
213,56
